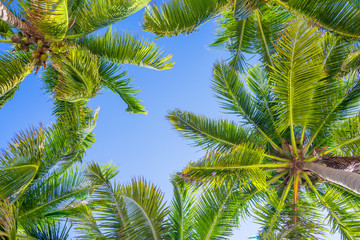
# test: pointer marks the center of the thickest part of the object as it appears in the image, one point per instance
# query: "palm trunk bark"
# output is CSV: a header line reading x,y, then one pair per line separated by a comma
x,y
7,16
346,179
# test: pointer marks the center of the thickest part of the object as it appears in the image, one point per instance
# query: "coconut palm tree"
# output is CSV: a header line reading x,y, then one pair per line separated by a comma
x,y
250,26
296,148
59,35
38,175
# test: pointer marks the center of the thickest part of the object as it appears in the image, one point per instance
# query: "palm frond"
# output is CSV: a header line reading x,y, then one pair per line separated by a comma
x,y
270,22
352,62
49,17
335,51
346,137
215,215
243,9
243,163
74,79
139,209
182,210
181,16
212,134
20,162
237,37
146,210
51,194
340,16
8,222
119,84
341,218
15,68
127,48
297,76
91,15
47,229
236,99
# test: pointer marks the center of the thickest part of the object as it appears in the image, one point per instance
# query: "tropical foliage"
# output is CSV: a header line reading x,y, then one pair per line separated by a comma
x,y
294,152
39,174
59,36
250,26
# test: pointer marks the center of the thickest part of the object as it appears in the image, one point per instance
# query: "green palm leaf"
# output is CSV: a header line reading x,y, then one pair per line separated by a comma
x,y
341,16
182,210
237,100
212,134
135,210
91,15
15,68
49,17
243,163
215,216
74,79
117,83
181,16
296,77
127,48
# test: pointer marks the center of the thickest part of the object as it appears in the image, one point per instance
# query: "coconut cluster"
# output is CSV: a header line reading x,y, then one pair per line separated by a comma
x,y
39,48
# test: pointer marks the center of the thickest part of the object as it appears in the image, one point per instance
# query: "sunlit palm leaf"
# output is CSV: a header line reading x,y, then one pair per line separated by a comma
x,y
15,67
120,84
127,48
91,15
74,80
212,134
244,8
341,16
49,17
182,210
297,75
237,37
243,163
181,16
215,216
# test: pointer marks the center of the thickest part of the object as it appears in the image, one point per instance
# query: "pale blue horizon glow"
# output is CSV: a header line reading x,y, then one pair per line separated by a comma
x,y
140,145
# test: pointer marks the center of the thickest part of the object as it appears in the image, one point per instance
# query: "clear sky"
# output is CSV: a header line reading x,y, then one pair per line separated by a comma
x,y
140,145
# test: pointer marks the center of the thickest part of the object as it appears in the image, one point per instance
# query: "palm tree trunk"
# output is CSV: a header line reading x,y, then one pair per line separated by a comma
x,y
7,16
346,179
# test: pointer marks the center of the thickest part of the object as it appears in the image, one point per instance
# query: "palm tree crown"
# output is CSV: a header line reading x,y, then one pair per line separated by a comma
x,y
295,152
58,35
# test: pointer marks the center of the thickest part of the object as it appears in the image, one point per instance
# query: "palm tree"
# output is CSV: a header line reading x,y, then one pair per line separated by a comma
x,y
296,149
58,36
250,26
39,175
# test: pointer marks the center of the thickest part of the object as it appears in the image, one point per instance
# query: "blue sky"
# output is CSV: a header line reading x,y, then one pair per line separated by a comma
x,y
140,145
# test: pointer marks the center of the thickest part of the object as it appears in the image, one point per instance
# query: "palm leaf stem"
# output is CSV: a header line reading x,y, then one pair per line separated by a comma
x,y
263,36
55,200
209,235
280,205
296,193
240,42
334,148
292,62
146,216
303,135
274,179
326,205
269,165
273,144
6,41
29,182
276,158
